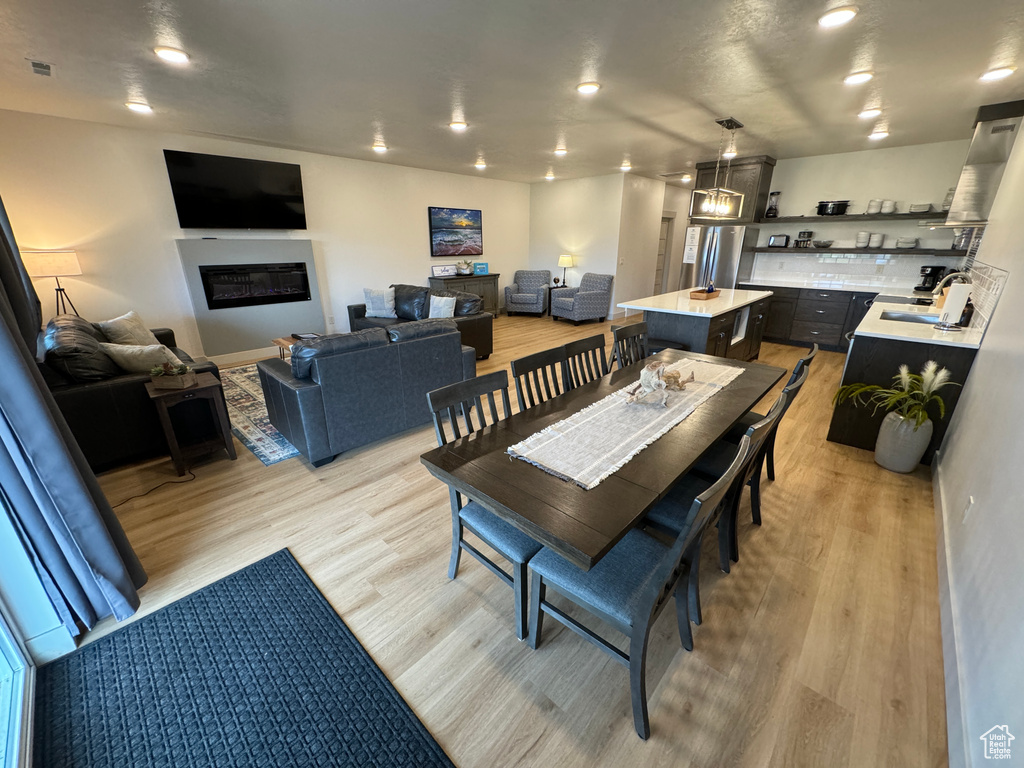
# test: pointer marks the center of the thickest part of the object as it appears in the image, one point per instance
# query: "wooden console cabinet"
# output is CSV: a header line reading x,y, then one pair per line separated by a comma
x,y
484,286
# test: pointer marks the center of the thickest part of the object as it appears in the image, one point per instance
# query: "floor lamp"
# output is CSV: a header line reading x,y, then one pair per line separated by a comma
x,y
56,264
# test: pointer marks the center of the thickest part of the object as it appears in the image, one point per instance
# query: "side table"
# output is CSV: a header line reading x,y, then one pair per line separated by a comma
x,y
207,388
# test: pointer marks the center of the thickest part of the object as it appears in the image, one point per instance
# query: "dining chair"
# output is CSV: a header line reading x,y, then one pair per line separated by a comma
x,y
584,361
539,377
461,400
628,588
752,417
629,344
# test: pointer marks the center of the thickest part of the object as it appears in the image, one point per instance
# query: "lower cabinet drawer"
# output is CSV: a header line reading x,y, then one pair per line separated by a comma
x,y
823,333
821,311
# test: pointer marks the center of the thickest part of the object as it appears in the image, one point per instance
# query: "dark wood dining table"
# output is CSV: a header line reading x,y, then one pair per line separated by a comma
x,y
582,525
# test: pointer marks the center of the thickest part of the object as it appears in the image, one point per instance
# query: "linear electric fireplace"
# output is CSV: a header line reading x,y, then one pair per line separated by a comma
x,y
247,285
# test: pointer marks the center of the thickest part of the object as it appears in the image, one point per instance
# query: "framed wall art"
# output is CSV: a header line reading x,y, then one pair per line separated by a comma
x,y
455,232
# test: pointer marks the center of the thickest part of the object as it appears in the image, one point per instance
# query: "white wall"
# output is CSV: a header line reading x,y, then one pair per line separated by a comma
x,y
982,458
642,206
580,217
677,201
103,191
916,174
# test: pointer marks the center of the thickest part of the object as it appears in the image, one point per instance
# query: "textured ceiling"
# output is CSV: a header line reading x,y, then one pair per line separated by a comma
x,y
331,75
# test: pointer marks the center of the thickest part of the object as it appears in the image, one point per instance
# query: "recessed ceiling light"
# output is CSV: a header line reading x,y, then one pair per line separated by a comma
x,y
867,114
838,16
878,135
685,178
858,78
998,74
380,147
560,151
140,107
588,88
458,126
550,176
172,55
626,166
480,164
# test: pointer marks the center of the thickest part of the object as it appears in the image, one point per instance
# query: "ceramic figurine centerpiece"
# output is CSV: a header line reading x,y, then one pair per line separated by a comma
x,y
655,384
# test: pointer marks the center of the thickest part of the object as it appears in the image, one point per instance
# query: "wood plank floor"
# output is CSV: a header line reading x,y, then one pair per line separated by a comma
x,y
821,648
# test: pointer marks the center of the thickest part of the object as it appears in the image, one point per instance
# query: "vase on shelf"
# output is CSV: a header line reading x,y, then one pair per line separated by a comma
x,y
772,212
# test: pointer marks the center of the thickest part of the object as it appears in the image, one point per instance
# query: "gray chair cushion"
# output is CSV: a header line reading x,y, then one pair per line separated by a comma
x,y
671,512
304,352
73,350
411,301
430,327
616,584
523,298
502,536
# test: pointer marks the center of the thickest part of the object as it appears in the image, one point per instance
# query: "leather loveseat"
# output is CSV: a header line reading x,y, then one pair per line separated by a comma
x,y
349,389
108,410
412,304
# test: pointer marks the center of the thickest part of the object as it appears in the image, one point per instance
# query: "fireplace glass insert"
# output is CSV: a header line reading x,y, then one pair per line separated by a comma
x,y
247,285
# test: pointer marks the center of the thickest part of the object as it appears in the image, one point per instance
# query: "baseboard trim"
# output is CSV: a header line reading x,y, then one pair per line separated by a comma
x,y
956,723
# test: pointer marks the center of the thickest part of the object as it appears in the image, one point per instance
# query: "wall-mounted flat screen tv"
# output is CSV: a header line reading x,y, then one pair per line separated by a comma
x,y
215,192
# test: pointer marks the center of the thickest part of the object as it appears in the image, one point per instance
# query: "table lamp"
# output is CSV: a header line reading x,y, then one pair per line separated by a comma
x,y
564,261
56,264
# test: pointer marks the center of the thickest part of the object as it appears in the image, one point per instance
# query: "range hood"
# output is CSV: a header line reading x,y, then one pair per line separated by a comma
x,y
995,129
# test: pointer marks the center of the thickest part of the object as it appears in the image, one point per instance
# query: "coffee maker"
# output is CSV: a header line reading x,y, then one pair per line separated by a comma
x,y
930,277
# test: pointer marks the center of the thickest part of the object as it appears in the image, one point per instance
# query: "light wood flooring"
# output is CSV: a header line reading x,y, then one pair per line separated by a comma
x,y
821,648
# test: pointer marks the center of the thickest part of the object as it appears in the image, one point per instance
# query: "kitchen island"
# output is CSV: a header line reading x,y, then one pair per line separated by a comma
x,y
730,325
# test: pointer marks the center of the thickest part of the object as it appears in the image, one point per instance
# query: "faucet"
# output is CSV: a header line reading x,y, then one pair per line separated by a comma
x,y
962,277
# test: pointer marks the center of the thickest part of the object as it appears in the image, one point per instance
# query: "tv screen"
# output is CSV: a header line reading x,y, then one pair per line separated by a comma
x,y
214,192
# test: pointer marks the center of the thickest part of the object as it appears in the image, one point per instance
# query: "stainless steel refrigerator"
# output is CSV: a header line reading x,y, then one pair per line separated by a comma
x,y
714,254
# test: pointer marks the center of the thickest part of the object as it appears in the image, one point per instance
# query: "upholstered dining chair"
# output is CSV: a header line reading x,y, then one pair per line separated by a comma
x,y
585,361
740,428
462,399
539,377
628,588
590,301
528,292
629,344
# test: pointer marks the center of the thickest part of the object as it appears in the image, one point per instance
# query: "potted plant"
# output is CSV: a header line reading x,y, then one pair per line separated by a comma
x,y
464,267
170,376
906,430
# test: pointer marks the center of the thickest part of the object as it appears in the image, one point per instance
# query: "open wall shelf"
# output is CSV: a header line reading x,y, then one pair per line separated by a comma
x,y
931,216
876,251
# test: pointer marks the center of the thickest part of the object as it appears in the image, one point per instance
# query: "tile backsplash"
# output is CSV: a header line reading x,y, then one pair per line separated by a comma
x,y
894,271
988,286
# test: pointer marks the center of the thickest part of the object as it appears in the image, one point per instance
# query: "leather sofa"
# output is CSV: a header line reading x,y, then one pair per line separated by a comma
x,y
108,410
412,304
348,389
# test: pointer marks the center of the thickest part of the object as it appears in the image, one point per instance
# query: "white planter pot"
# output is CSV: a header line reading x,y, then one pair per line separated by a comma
x,y
899,447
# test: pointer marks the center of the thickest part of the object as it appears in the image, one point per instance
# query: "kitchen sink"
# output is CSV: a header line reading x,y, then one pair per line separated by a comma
x,y
909,317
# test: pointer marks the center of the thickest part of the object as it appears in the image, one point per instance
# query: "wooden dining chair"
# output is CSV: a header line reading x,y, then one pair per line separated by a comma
x,y
752,417
629,344
585,361
628,588
539,377
457,402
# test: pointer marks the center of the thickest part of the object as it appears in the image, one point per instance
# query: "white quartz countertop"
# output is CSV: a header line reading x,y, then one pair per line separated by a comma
x,y
874,326
680,303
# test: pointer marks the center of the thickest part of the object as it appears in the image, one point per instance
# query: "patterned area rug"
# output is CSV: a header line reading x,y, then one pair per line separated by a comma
x,y
254,670
248,414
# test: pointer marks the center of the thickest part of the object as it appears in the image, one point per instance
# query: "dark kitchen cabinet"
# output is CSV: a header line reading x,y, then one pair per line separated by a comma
x,y
755,328
860,303
750,175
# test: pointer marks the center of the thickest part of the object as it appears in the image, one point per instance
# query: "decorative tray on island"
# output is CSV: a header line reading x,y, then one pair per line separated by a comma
x,y
702,295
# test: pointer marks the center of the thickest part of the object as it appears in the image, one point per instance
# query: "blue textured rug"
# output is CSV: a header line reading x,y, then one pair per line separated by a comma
x,y
254,670
248,414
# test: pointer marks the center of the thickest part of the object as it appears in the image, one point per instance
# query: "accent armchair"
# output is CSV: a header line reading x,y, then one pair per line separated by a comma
x,y
529,291
588,302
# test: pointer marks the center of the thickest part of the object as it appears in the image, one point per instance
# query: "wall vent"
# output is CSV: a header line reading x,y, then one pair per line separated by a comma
x,y
40,68
676,174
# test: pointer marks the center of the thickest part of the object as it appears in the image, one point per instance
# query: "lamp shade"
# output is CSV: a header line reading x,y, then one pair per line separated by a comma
x,y
51,263
565,260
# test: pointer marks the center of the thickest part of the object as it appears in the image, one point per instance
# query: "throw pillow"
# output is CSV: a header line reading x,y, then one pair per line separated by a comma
x,y
411,301
380,302
73,350
442,306
139,358
127,329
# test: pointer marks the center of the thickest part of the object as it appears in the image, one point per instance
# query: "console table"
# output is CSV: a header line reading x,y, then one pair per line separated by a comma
x,y
484,286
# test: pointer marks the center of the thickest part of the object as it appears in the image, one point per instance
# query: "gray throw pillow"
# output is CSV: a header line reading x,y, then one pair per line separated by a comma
x,y
73,350
127,329
442,306
380,302
139,358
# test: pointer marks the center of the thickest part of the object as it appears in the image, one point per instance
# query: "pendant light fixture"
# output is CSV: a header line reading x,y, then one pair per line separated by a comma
x,y
719,203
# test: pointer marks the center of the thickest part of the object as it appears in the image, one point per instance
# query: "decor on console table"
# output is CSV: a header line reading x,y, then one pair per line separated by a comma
x,y
170,376
907,429
464,267
456,232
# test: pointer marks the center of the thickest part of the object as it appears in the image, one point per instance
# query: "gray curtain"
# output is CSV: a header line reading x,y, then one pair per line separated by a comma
x,y
79,549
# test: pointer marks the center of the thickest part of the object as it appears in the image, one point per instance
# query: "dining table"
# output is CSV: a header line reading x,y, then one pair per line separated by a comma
x,y
583,525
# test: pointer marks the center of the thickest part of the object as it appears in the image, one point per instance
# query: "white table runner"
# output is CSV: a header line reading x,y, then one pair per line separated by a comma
x,y
592,444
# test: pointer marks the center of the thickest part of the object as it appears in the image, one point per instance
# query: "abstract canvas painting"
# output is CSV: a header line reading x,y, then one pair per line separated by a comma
x,y
456,232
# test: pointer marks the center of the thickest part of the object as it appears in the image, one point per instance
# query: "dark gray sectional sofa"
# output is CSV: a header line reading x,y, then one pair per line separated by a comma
x,y
349,389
